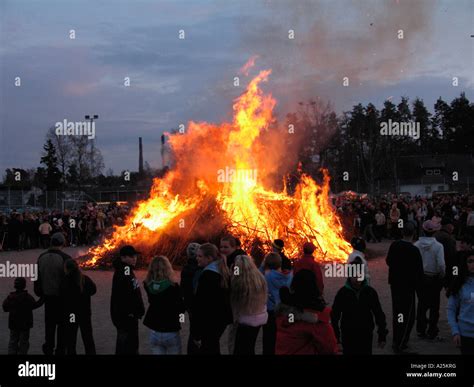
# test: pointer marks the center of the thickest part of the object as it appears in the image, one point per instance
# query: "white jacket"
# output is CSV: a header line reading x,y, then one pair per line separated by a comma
x,y
432,253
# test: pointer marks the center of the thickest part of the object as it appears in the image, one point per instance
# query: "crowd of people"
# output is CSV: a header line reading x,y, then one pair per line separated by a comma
x,y
383,217
31,230
221,289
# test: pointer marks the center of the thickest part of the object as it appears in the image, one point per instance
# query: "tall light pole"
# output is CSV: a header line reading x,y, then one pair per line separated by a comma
x,y
91,118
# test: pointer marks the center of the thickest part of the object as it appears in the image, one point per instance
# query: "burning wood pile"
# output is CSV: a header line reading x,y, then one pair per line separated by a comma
x,y
219,185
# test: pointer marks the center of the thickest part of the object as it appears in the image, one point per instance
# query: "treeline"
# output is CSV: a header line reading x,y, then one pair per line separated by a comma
x,y
352,142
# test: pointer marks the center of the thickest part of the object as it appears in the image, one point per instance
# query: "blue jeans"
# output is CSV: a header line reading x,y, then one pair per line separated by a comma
x,y
165,343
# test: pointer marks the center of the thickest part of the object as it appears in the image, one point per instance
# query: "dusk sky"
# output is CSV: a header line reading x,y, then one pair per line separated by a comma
x,y
176,80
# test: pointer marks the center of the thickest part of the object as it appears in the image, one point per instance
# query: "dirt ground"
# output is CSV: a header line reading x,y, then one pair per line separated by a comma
x,y
105,334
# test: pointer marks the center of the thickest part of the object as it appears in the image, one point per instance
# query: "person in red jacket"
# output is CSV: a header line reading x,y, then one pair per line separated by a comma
x,y
307,262
303,319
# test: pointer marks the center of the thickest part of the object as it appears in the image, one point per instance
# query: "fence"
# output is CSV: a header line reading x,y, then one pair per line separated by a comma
x,y
35,199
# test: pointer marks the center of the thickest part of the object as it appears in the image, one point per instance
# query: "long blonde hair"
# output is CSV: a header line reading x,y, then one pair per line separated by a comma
x,y
211,250
249,290
160,269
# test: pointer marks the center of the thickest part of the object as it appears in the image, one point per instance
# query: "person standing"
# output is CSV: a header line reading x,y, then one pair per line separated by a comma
x,y
75,291
380,225
307,262
126,304
166,307
405,274
446,238
211,305
355,308
188,286
394,217
20,305
434,267
276,279
44,230
50,275
248,298
230,248
461,306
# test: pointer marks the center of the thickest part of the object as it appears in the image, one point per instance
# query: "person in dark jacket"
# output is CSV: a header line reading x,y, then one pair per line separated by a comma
x,y
277,247
75,291
50,275
188,286
405,275
211,306
166,309
20,305
126,304
307,262
303,319
446,238
355,307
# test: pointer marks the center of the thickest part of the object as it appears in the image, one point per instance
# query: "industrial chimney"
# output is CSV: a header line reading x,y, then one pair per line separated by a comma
x,y
140,156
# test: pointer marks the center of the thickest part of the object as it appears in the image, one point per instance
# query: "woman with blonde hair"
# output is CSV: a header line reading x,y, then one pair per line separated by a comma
x,y
248,298
211,308
166,307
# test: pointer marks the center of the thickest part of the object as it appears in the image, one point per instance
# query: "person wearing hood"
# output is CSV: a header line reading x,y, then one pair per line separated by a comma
x,y
446,238
303,320
359,246
354,311
432,253
461,306
307,262
276,279
211,304
166,308
189,276
126,304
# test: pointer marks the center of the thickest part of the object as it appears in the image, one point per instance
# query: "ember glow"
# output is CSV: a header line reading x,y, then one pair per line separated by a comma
x,y
229,165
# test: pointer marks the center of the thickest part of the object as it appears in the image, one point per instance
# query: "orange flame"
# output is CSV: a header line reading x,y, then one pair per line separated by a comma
x,y
228,160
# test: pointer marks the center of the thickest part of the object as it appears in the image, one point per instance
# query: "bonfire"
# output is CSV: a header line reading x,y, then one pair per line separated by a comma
x,y
219,185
